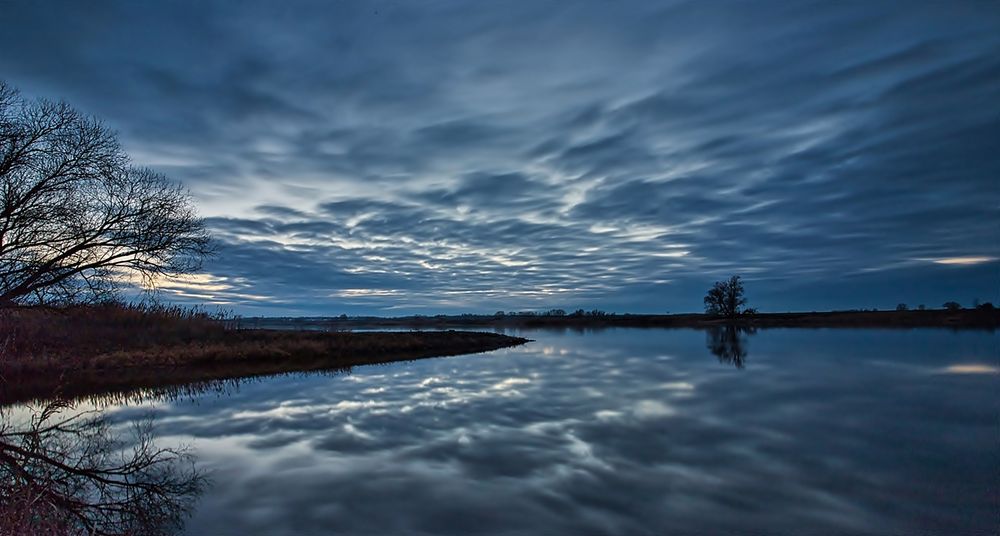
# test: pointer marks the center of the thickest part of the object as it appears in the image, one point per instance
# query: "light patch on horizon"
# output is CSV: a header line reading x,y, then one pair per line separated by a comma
x,y
198,282
209,289
964,260
971,368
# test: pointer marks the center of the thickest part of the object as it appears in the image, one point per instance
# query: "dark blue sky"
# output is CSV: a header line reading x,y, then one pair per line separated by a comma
x,y
399,157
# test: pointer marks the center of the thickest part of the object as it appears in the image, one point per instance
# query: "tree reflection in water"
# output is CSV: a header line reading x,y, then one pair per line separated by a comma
x,y
65,472
729,343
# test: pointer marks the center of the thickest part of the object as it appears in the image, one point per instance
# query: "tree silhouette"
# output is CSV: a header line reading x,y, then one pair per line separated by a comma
x,y
725,298
76,218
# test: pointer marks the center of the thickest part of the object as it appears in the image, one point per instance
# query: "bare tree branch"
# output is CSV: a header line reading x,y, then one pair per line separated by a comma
x,y
75,214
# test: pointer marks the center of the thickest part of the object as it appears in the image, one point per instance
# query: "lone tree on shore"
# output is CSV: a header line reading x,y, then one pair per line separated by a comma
x,y
725,298
76,218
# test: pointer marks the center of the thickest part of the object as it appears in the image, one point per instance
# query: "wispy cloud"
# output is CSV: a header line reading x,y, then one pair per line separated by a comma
x,y
412,157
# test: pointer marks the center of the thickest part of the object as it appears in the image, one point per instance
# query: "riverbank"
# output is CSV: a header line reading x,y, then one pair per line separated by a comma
x,y
95,350
239,354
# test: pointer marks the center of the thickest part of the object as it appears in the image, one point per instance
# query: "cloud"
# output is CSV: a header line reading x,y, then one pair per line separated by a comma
x,y
459,157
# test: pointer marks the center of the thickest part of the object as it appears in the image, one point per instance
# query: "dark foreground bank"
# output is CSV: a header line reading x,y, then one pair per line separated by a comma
x,y
116,348
239,354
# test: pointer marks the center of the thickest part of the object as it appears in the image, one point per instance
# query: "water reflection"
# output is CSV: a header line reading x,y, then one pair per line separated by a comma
x,y
729,343
622,431
64,471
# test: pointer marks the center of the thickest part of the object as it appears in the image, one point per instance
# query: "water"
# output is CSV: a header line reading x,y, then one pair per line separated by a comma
x,y
622,431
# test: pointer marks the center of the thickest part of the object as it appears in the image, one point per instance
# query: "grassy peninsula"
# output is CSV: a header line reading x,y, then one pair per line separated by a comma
x,y
114,347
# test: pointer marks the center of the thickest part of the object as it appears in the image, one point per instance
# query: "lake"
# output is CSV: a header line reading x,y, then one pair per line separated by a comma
x,y
619,431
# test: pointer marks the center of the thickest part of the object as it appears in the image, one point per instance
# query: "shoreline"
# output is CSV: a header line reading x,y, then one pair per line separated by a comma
x,y
246,354
117,351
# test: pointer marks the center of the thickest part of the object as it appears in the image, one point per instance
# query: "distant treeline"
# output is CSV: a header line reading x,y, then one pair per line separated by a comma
x,y
554,312
984,316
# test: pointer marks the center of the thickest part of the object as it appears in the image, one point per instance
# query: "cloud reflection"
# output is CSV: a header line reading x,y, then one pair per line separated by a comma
x,y
623,434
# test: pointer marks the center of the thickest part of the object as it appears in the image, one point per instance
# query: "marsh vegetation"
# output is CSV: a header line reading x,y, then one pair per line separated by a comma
x,y
93,349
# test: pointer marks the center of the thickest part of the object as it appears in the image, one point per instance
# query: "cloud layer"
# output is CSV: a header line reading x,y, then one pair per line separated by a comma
x,y
394,157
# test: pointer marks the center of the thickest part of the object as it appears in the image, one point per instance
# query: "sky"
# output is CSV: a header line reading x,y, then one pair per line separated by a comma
x,y
431,157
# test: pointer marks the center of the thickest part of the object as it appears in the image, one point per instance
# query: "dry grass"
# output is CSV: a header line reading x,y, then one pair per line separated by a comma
x,y
67,338
113,347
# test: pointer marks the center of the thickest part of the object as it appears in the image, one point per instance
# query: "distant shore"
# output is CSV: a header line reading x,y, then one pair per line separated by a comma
x,y
956,319
117,348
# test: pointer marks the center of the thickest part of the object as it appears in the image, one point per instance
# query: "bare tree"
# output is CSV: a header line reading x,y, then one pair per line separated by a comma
x,y
725,298
76,218
71,474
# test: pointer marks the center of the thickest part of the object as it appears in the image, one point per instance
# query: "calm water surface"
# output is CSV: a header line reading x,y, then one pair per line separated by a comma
x,y
620,431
